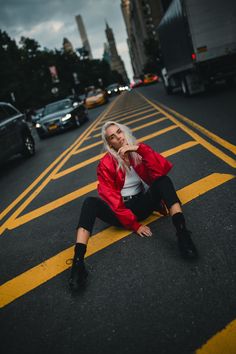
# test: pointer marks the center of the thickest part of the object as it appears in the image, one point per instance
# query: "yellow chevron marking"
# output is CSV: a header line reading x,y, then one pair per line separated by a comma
x,y
159,120
27,281
126,117
204,131
215,151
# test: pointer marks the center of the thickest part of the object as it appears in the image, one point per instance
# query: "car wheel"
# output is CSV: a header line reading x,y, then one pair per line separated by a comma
x,y
167,87
28,145
184,87
77,121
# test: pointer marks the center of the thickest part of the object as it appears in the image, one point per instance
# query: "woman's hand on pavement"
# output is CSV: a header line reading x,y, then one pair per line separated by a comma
x,y
144,231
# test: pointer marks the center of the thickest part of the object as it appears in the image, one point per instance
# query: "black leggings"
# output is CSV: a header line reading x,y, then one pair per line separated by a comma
x,y
142,206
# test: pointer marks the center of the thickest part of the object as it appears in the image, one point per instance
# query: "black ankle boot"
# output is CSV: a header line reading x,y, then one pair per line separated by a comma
x,y
78,273
186,246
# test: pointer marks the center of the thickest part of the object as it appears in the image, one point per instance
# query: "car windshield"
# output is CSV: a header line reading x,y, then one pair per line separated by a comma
x,y
57,106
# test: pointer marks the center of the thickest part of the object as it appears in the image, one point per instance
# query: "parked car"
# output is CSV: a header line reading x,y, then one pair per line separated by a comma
x,y
113,89
15,134
149,79
61,115
95,98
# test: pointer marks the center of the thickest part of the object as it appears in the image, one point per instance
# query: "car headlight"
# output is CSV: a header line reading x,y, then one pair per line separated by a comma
x,y
109,92
38,125
66,117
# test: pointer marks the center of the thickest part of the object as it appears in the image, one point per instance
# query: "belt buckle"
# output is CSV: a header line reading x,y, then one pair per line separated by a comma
x,y
128,197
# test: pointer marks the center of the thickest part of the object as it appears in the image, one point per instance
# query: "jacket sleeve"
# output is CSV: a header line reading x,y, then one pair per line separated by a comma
x,y
112,196
156,164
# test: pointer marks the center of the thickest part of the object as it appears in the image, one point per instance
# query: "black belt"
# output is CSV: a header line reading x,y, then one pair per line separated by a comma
x,y
129,197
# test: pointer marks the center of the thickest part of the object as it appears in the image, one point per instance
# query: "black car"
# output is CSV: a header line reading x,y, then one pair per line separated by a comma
x,y
113,89
15,134
61,115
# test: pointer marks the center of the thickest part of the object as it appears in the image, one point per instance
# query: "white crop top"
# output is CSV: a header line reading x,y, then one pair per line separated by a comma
x,y
133,183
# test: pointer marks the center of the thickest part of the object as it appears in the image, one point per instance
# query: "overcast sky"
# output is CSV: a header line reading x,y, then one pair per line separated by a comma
x,y
49,21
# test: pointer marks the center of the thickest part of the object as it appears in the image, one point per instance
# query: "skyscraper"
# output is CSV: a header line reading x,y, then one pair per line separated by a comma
x,y
141,19
67,46
106,54
116,62
83,35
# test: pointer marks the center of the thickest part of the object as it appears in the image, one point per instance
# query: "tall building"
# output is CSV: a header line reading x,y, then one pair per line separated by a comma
x,y
116,62
67,46
106,54
83,35
141,19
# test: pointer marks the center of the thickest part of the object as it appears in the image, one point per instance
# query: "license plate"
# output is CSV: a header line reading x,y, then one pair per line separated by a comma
x,y
52,127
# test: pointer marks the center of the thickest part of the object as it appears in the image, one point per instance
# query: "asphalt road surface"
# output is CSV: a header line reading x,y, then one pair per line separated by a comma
x,y
141,297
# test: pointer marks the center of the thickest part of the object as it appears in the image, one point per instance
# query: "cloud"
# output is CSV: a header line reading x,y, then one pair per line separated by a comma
x,y
41,28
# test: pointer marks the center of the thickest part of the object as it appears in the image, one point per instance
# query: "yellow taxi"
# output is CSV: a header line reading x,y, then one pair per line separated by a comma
x,y
150,79
95,97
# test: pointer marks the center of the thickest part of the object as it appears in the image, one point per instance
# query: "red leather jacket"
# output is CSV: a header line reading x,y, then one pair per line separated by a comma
x,y
111,181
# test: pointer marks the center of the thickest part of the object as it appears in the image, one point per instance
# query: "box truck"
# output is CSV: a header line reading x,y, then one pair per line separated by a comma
x,y
198,44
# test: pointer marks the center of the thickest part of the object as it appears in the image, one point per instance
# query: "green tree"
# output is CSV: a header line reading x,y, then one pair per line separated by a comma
x,y
10,60
25,72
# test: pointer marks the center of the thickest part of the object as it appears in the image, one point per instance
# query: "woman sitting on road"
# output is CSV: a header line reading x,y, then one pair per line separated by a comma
x,y
123,173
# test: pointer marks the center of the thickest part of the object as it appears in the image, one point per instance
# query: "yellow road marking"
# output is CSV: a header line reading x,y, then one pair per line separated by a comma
x,y
27,281
88,147
127,117
138,119
51,206
131,109
37,180
78,166
215,151
203,130
46,208
149,124
223,342
179,148
51,175
134,121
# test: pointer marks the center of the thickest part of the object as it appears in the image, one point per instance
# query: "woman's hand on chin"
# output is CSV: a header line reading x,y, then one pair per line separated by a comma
x,y
127,148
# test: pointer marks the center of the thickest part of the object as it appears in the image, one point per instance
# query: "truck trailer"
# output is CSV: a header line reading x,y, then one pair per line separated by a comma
x,y
198,44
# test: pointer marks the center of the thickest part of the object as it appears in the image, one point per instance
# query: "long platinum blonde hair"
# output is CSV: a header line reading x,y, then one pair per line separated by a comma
x,y
131,140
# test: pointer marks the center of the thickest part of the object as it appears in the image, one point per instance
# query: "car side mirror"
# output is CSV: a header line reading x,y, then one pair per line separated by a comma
x,y
75,104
